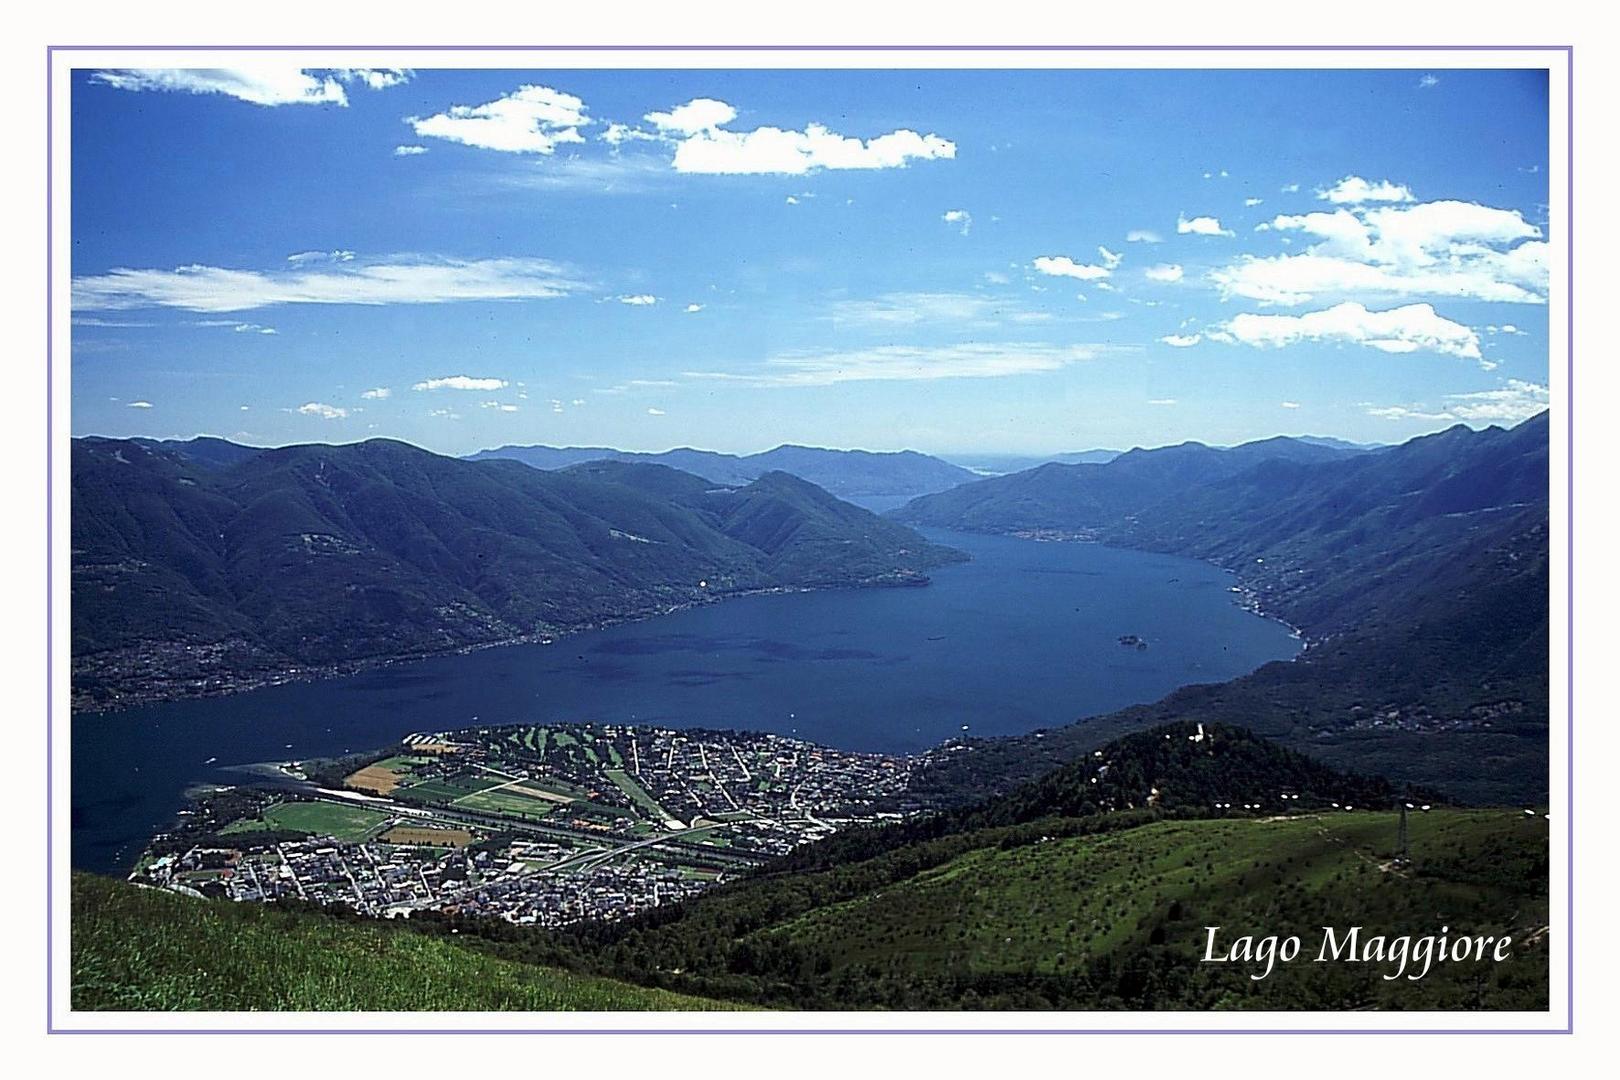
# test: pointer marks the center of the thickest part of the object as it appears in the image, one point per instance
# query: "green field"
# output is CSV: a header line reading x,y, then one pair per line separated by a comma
x,y
638,794
448,789
337,820
506,801
143,949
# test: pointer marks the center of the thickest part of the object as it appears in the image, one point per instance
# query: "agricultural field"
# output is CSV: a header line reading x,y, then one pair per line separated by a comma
x,y
421,836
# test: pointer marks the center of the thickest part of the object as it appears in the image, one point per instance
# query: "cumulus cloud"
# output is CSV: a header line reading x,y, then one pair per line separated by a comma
x,y
692,309
655,412
530,120
460,382
1181,341
1063,266
1252,202
704,145
1290,404
1444,248
420,281
960,218
1413,328
1353,189
322,410
267,84
904,363
1201,226
407,150
1163,272
638,300
377,393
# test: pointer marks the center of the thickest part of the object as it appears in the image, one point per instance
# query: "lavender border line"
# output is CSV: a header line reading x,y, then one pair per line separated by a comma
x,y
1568,1027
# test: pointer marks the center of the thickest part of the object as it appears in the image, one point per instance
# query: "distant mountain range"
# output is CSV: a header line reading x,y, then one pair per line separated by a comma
x,y
846,473
1418,576
210,566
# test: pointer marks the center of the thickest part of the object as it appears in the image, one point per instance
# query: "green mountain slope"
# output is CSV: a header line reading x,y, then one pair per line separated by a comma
x,y
214,571
142,949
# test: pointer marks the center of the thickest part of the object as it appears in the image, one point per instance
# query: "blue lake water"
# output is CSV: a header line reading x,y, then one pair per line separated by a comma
x,y
1024,636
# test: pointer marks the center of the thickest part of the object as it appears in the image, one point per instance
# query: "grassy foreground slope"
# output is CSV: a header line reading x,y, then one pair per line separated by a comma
x,y
142,949
1110,913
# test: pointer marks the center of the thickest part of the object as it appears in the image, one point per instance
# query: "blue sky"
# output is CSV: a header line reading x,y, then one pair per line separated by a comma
x,y
1024,261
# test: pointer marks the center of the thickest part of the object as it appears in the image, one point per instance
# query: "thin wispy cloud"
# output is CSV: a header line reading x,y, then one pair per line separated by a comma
x,y
908,363
322,410
268,84
419,281
960,218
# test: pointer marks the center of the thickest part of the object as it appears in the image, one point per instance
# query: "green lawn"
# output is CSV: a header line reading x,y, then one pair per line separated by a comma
x,y
337,820
143,949
638,794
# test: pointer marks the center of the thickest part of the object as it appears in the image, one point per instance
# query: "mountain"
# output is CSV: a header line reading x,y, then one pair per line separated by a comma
x,y
1002,464
138,949
1092,889
194,573
849,474
1418,576
1078,498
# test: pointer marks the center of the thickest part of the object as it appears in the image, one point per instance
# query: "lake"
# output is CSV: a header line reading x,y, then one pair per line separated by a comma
x,y
1024,636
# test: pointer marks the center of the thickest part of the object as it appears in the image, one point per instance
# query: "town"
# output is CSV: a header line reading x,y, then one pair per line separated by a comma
x,y
537,825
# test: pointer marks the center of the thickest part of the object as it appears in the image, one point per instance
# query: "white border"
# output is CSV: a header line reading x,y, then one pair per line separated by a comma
x,y
1556,61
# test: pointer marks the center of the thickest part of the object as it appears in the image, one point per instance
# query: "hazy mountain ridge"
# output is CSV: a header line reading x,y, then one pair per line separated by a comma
x,y
845,473
193,575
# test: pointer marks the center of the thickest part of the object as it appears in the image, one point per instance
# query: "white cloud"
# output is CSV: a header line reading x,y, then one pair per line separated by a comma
x,y
1163,272
1428,81
655,412
530,120
216,289
1353,189
692,309
1406,329
139,405
1201,226
377,393
1143,236
960,218
303,257
1252,202
1445,248
1063,266
904,363
1289,189
1181,341
703,145
404,150
1290,404
1516,400
1111,259
911,308
461,382
324,411
639,300
497,405
1162,401
267,84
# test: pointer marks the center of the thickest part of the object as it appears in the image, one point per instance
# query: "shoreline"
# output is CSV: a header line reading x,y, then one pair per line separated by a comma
x,y
345,668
